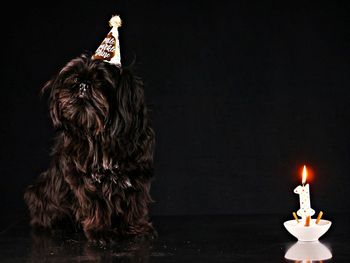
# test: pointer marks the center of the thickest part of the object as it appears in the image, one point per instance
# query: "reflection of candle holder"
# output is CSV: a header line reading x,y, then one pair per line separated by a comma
x,y
307,233
308,251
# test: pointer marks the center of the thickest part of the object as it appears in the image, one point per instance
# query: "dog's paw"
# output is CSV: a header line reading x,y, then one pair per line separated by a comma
x,y
145,231
101,238
150,234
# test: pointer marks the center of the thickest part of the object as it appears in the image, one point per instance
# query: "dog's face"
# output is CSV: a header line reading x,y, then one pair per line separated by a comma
x,y
91,95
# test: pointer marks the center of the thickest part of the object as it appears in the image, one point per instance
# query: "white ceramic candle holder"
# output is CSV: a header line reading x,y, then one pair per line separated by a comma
x,y
307,233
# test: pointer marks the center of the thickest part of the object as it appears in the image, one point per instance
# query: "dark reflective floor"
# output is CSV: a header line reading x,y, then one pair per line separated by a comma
x,y
259,238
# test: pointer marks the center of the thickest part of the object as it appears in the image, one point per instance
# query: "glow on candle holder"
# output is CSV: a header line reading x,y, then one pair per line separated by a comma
x,y
304,197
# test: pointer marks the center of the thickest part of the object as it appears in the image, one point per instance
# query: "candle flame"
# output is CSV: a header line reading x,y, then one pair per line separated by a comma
x,y
304,174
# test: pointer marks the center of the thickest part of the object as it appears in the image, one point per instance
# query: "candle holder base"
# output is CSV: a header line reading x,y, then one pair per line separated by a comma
x,y
307,233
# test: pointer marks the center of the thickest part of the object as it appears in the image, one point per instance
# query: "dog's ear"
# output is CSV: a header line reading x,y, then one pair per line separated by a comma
x,y
50,90
130,101
130,123
132,87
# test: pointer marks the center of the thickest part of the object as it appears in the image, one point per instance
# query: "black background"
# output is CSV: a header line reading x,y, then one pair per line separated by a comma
x,y
243,94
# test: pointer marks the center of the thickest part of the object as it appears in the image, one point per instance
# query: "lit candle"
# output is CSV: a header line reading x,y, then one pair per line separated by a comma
x,y
304,197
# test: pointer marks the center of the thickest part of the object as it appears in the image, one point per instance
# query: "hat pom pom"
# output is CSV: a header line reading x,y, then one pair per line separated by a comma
x,y
115,21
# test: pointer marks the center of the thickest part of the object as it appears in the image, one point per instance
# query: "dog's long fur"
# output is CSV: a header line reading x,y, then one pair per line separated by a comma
x,y
102,159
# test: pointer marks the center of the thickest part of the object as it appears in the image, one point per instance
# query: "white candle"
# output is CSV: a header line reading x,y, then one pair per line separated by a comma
x,y
304,197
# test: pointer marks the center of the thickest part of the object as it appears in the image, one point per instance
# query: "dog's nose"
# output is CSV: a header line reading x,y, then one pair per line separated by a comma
x,y
83,87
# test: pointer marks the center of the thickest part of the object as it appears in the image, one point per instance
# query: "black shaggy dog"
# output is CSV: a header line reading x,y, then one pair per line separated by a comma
x,y
102,159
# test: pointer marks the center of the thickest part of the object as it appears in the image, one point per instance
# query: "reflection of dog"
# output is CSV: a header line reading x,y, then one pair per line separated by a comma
x,y
51,248
102,159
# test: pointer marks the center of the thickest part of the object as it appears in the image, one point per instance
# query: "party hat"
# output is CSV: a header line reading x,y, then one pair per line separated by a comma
x,y
109,49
